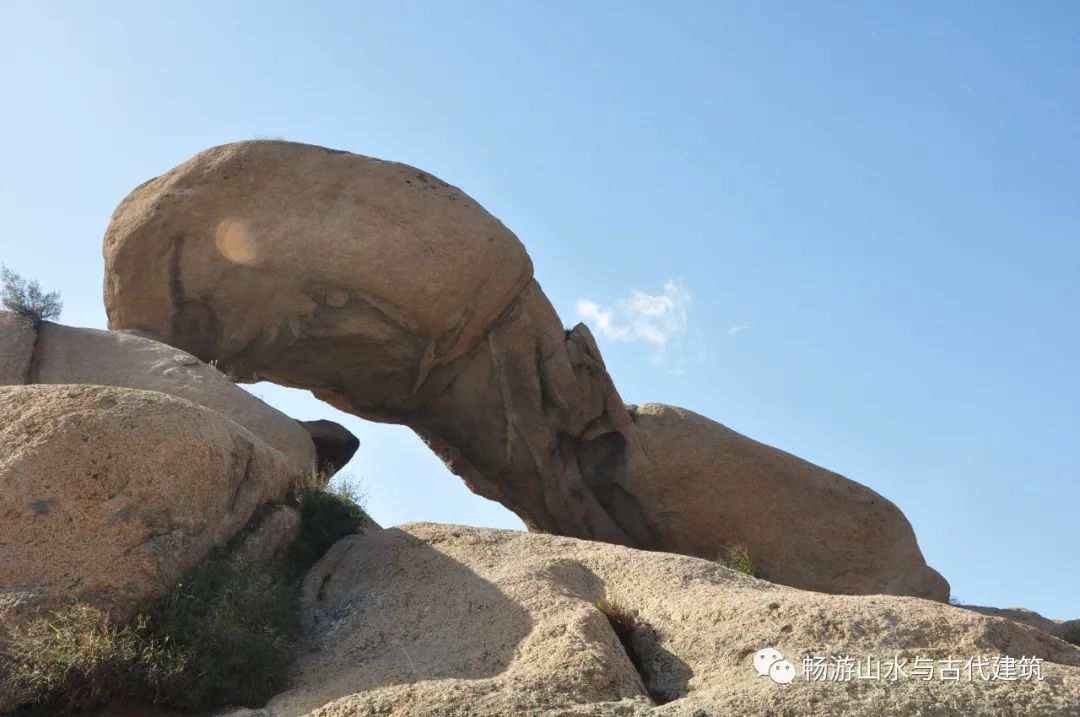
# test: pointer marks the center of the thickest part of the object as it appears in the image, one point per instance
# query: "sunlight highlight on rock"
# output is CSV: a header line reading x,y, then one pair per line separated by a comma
x,y
234,241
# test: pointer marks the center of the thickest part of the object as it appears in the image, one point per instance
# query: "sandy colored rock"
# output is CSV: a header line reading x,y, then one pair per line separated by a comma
x,y
109,494
396,297
17,340
1068,630
254,245
801,525
70,355
490,622
387,292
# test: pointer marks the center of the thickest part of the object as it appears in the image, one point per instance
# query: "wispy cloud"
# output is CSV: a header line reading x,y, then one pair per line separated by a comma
x,y
658,320
736,330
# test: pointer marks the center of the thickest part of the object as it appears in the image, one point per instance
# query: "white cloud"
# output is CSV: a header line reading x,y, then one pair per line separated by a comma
x,y
736,330
659,320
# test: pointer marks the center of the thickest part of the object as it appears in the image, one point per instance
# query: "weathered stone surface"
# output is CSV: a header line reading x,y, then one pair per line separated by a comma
x,y
396,297
388,293
804,526
108,495
272,536
70,355
315,253
489,622
1068,630
334,444
17,340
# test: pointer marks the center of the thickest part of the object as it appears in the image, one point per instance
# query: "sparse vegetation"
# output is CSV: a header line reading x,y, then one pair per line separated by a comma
x,y
26,299
641,644
78,659
330,509
623,620
224,636
234,625
738,559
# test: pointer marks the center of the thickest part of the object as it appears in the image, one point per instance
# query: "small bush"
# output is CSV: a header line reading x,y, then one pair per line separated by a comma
x,y
623,620
330,509
235,624
26,299
738,559
223,637
79,659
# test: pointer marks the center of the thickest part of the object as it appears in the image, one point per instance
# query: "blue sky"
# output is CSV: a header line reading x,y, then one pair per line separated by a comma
x,y
850,230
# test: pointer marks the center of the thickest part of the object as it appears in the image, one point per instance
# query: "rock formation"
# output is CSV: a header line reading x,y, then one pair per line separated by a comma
x,y
271,536
488,622
108,495
1068,630
334,445
396,297
808,525
68,355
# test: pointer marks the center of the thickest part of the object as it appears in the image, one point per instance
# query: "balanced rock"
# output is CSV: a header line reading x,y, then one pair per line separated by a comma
x,y
491,622
396,297
108,495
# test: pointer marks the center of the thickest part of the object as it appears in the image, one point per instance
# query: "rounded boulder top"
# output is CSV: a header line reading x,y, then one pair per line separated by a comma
x,y
257,243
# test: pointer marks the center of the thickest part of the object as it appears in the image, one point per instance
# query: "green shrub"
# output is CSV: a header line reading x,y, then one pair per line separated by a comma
x,y
26,299
235,624
329,511
79,659
223,637
738,559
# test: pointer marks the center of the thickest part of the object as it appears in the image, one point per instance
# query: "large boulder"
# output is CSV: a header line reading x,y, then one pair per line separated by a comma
x,y
108,495
281,259
490,622
396,297
387,292
800,524
69,355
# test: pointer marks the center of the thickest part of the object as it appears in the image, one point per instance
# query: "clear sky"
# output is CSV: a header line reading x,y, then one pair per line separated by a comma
x,y
850,230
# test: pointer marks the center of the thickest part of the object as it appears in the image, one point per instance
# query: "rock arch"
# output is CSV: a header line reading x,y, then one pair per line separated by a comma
x,y
395,296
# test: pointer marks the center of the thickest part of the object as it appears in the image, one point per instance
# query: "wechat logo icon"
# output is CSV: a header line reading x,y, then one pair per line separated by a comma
x,y
769,662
